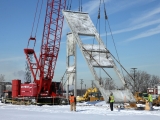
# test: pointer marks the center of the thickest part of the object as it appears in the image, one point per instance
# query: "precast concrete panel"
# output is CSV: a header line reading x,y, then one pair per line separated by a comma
x,y
70,45
100,56
71,65
71,78
80,22
95,55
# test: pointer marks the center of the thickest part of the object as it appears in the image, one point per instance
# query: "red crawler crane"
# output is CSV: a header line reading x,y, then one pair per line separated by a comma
x,y
42,69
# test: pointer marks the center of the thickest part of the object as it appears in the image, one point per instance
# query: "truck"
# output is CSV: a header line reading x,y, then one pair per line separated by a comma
x,y
7,97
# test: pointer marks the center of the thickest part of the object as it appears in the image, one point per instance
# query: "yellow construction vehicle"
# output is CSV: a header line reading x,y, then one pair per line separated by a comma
x,y
80,99
156,101
141,101
91,94
141,97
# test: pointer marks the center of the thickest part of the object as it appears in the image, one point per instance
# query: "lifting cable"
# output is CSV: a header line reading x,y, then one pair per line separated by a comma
x,y
94,36
31,37
38,18
105,21
98,21
34,18
106,18
99,41
98,17
69,4
80,5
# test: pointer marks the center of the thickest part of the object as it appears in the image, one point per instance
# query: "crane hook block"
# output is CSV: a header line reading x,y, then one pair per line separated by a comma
x,y
32,38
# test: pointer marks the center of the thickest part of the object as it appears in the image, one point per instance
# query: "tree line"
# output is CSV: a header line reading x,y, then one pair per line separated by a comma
x,y
138,81
2,79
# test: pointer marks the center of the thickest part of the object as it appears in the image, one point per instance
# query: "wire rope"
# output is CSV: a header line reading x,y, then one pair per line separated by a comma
x,y
39,18
67,5
106,18
81,5
70,5
79,9
99,42
34,18
105,21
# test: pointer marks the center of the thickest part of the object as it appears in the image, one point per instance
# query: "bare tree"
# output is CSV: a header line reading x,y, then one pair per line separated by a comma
x,y
154,80
101,81
2,78
109,84
143,80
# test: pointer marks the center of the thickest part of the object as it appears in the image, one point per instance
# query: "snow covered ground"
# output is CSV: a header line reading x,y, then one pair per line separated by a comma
x,y
85,111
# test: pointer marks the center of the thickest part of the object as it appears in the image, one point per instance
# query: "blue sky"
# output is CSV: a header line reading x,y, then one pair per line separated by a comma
x,y
135,27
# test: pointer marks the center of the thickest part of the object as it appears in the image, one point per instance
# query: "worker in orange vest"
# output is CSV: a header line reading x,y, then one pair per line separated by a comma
x,y
72,100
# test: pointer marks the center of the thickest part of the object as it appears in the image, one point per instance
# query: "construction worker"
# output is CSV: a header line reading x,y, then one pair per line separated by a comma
x,y
111,101
72,100
150,100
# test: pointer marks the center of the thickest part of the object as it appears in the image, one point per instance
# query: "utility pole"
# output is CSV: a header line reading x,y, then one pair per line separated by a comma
x,y
92,83
81,86
67,91
62,85
134,70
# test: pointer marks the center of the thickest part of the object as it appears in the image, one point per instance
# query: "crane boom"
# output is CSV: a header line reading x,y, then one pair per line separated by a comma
x,y
43,68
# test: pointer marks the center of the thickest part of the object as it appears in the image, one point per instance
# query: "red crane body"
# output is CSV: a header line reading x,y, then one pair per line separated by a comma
x,y
42,69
